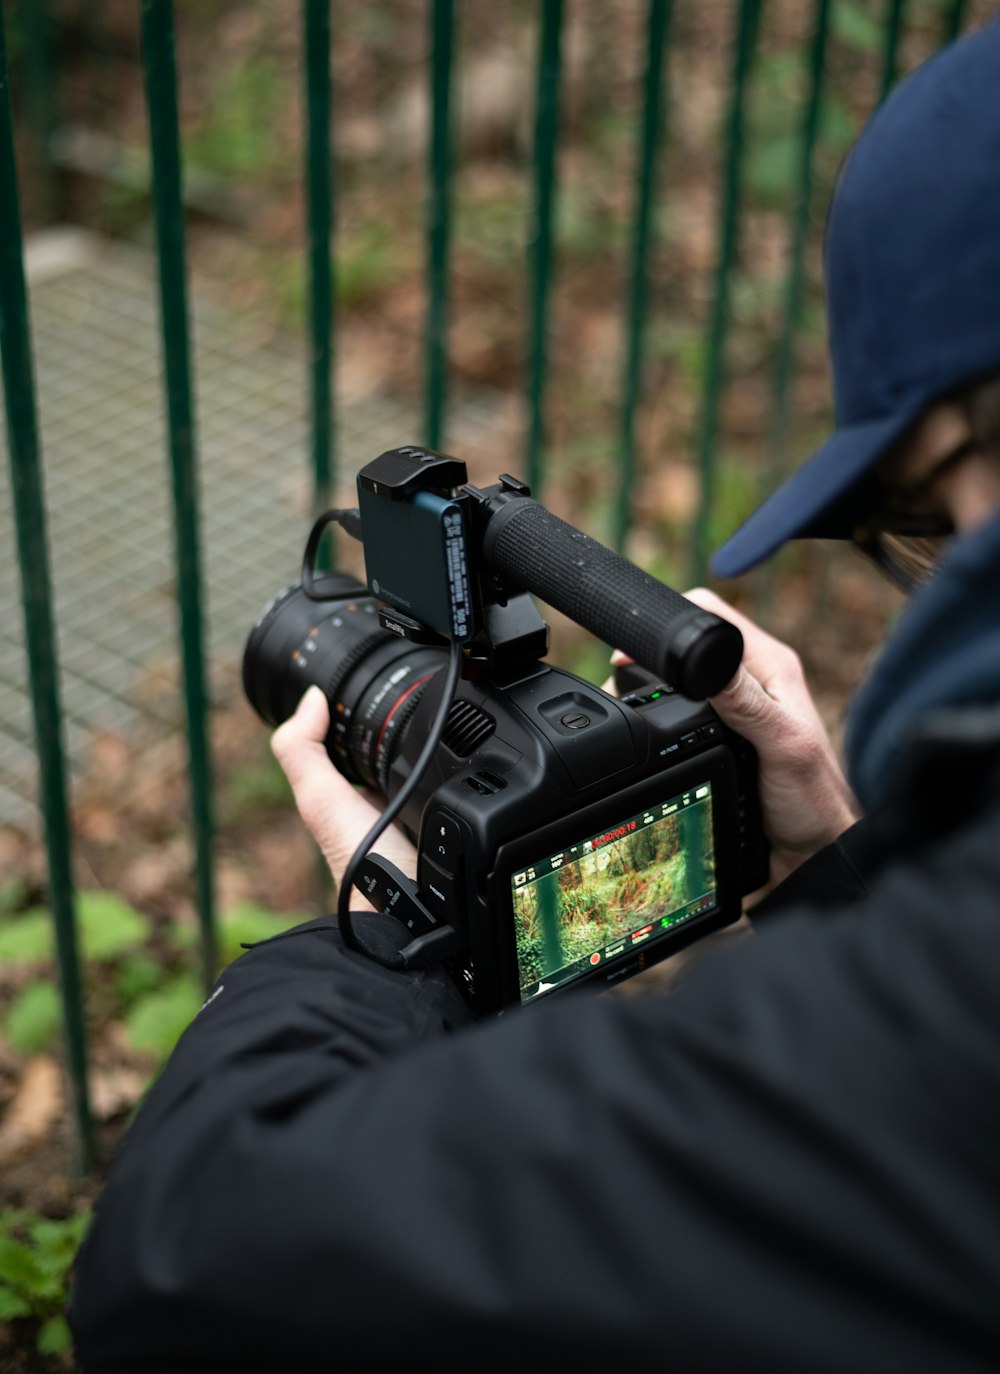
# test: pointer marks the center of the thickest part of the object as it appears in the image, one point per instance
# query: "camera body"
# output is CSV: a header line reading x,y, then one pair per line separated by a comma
x,y
565,836
583,838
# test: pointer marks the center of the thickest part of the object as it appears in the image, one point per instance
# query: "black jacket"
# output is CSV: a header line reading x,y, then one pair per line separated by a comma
x,y
792,1162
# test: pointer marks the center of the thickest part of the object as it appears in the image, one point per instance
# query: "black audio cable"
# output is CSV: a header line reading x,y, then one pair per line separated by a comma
x,y
347,932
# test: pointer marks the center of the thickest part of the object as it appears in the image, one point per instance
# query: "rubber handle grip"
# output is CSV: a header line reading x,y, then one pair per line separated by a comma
x,y
694,651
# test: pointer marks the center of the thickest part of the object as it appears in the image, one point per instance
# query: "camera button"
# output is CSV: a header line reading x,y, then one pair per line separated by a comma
x,y
439,890
575,720
688,740
710,732
443,839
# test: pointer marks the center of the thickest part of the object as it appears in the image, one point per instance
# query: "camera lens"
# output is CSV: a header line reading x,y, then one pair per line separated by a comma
x,y
372,680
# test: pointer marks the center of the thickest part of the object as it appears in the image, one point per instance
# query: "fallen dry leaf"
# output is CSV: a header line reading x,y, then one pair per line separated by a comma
x,y
116,1090
37,1105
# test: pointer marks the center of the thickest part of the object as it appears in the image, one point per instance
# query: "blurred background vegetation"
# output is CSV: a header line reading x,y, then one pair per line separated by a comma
x,y
241,93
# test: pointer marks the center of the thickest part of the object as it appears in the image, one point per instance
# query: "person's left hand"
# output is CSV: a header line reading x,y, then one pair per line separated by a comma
x,y
336,813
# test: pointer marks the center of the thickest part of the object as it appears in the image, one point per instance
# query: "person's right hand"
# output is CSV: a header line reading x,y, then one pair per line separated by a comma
x,y
805,797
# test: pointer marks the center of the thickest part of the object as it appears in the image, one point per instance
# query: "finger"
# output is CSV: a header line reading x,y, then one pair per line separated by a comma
x,y
764,656
619,658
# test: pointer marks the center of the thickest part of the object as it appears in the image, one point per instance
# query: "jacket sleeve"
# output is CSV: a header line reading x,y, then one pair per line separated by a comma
x,y
835,876
789,1164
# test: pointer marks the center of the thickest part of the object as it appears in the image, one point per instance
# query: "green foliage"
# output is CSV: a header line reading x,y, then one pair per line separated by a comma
x,y
258,788
771,168
27,939
158,1020
109,928
368,261
248,924
735,497
240,134
138,975
36,1256
33,1019
584,228
163,1011
771,159
682,343
837,125
54,1336
494,228
159,1005
852,22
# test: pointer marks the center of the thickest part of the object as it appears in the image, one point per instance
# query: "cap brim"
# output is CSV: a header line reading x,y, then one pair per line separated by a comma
x,y
824,499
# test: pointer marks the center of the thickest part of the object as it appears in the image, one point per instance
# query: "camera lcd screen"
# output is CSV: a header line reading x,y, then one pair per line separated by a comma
x,y
602,897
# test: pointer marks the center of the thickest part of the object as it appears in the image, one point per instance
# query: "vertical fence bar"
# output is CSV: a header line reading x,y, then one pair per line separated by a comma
x,y
39,632
658,22
890,53
953,18
784,370
161,97
438,217
319,195
743,48
546,128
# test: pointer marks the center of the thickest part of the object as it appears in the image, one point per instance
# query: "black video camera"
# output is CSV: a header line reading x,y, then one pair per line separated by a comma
x,y
565,836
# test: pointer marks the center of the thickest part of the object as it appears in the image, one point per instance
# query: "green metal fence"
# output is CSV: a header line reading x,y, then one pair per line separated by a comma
x,y
319,34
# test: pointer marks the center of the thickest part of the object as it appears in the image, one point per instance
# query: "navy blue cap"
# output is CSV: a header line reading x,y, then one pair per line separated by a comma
x,y
912,266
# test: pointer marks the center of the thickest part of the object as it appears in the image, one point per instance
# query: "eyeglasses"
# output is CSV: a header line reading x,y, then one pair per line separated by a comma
x,y
904,543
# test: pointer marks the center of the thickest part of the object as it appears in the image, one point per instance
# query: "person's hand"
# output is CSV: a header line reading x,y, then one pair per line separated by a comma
x,y
335,812
805,797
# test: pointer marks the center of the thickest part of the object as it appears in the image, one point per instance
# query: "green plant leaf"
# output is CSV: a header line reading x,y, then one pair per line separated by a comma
x,y
33,1018
837,126
53,1336
772,168
138,975
19,1266
158,1020
56,1242
12,1305
854,26
28,939
109,926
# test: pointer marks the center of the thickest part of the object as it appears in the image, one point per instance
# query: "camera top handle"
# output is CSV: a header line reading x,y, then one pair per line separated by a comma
x,y
696,652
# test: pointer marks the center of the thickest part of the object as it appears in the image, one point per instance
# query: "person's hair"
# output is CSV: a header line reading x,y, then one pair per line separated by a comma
x,y
981,403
